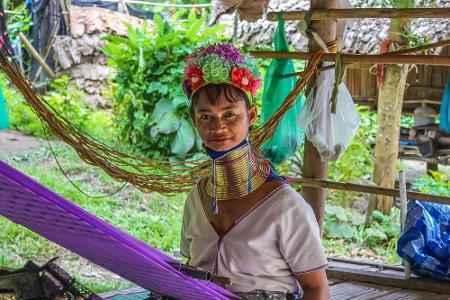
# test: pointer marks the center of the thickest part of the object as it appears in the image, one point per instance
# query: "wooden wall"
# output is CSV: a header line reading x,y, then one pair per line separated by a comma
x,y
426,85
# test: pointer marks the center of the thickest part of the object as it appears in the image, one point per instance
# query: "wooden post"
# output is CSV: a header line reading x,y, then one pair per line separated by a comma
x,y
313,166
390,101
403,209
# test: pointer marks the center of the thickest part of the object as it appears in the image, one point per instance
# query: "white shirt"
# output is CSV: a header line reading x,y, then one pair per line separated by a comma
x,y
275,240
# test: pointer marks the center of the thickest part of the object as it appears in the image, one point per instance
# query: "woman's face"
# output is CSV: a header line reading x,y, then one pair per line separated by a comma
x,y
223,126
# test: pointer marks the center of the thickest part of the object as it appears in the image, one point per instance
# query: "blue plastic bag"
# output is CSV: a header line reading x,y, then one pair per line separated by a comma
x,y
288,137
425,243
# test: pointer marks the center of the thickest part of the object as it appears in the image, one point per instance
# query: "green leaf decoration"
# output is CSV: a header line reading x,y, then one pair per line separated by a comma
x,y
184,138
162,107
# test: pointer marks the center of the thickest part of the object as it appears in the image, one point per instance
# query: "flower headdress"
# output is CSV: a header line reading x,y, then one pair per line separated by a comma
x,y
221,63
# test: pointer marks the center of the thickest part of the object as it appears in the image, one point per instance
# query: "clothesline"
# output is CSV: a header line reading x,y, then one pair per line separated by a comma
x,y
162,4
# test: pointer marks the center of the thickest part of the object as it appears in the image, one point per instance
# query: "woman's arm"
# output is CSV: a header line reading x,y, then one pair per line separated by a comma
x,y
314,285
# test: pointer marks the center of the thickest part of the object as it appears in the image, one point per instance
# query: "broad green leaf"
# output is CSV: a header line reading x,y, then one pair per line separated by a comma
x,y
338,211
158,25
193,30
184,139
343,230
162,107
377,233
179,101
169,123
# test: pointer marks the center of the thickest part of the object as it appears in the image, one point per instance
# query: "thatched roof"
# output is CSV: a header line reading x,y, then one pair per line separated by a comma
x,y
363,36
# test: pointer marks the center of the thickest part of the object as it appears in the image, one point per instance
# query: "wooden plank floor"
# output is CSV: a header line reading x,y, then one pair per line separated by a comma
x,y
344,290
339,289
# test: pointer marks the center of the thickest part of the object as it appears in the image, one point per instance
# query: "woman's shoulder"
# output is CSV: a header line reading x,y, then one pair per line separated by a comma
x,y
288,199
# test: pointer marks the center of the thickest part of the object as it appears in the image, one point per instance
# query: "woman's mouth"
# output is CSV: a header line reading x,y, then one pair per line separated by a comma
x,y
219,139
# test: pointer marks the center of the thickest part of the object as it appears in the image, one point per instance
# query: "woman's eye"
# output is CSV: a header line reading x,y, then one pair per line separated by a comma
x,y
229,115
205,117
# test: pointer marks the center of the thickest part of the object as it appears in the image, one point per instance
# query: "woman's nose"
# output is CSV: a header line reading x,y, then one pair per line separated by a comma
x,y
219,124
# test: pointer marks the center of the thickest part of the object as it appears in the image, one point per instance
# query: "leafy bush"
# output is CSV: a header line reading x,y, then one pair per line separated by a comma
x,y
349,225
68,102
149,102
435,183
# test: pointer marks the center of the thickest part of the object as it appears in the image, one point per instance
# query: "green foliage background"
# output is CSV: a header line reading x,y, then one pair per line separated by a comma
x,y
150,106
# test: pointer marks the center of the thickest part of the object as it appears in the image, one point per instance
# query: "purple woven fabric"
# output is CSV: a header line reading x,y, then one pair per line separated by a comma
x,y
26,202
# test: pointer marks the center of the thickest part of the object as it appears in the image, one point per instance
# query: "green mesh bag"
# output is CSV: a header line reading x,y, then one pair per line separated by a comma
x,y
4,120
288,137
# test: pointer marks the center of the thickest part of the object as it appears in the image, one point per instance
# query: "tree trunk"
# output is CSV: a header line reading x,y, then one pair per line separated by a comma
x,y
313,166
390,101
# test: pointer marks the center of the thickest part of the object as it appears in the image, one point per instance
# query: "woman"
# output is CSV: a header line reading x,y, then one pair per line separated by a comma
x,y
243,221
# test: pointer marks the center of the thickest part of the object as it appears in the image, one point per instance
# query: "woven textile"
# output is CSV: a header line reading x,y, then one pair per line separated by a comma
x,y
26,202
425,243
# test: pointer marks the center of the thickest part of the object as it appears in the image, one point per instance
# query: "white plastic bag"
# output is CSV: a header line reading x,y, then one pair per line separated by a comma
x,y
329,133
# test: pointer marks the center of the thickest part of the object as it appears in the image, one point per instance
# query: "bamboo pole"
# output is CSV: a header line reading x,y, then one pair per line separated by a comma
x,y
404,51
370,189
36,56
359,13
403,209
387,59
420,48
65,13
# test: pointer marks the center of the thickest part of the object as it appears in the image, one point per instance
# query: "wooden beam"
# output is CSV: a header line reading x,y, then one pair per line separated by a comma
x,y
37,56
388,59
359,13
386,279
370,189
421,48
427,88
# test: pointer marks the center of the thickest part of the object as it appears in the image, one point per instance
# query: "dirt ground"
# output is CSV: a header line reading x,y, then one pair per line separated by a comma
x,y
14,142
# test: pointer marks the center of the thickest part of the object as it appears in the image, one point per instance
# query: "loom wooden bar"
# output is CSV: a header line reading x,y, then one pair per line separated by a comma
x,y
364,188
387,279
36,55
394,59
359,13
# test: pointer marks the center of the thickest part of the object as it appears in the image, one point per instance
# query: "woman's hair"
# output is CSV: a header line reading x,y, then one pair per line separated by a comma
x,y
213,93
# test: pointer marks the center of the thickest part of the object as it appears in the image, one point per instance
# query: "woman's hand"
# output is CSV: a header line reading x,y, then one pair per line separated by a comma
x,y
314,285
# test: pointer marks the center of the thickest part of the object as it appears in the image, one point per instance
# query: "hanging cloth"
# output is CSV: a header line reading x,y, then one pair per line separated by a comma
x,y
4,119
444,119
288,136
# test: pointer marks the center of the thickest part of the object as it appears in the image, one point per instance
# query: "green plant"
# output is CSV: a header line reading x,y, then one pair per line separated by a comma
x,y
349,225
68,102
19,21
149,102
433,183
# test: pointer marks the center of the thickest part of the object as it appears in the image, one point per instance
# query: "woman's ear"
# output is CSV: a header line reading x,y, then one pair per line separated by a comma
x,y
252,115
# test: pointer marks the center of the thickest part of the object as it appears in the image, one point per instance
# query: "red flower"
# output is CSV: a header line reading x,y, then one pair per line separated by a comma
x,y
195,76
244,79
